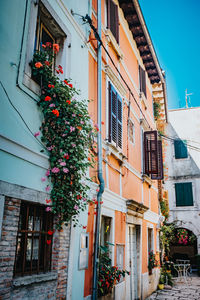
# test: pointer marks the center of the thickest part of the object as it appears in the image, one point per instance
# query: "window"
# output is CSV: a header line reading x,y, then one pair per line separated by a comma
x,y
150,240
105,230
45,26
180,148
131,131
120,259
184,196
113,19
34,240
142,80
153,160
115,117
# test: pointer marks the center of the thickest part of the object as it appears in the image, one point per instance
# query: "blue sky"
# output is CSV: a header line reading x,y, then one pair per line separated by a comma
x,y
174,27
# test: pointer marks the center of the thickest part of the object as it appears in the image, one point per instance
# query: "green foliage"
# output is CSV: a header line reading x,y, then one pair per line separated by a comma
x,y
108,274
67,133
165,275
164,209
156,108
167,236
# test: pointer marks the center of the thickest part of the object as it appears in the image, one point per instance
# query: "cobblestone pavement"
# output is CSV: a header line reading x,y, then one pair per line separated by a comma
x,y
180,290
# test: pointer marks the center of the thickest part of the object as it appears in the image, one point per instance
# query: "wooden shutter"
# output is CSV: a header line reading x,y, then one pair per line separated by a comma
x,y
180,148
184,196
142,78
113,19
150,152
119,121
159,176
115,117
113,114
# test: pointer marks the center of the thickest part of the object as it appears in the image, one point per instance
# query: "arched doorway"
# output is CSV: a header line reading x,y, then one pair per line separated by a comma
x,y
184,246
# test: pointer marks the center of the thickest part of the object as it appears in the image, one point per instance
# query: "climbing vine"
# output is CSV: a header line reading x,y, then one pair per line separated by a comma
x,y
67,133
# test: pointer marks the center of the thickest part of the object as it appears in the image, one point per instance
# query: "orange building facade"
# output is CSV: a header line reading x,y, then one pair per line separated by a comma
x,y
130,215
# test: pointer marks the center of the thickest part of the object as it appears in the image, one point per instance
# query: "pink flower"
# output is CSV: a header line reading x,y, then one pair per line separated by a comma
x,y
48,208
66,122
72,128
36,134
55,170
73,145
76,207
43,179
73,115
47,188
84,199
47,172
63,163
52,105
65,170
82,122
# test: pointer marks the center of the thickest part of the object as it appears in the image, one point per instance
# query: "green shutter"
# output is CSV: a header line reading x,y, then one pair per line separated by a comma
x,y
180,148
184,195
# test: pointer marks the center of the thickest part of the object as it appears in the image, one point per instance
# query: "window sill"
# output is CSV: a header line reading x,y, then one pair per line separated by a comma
x,y
115,151
35,278
143,99
147,179
111,39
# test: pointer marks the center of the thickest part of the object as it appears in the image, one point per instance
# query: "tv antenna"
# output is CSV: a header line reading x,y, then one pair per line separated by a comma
x,y
187,98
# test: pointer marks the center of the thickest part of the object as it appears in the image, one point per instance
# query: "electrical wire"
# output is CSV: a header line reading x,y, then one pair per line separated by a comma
x,y
175,139
20,115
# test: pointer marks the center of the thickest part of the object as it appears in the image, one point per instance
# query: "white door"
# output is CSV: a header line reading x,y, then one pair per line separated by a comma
x,y
132,258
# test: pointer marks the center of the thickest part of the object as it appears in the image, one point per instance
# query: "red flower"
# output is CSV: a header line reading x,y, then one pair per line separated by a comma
x,y
88,213
47,63
38,65
60,67
48,242
68,101
57,71
101,202
48,201
89,158
70,85
71,182
95,213
48,44
65,81
84,227
66,156
56,48
79,127
55,112
95,202
47,98
102,123
61,71
50,232
43,46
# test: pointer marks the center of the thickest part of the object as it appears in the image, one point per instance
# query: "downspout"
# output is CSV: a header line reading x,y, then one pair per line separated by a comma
x,y
100,172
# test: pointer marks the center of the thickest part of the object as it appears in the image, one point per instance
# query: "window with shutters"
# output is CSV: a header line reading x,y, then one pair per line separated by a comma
x,y
113,19
44,26
153,160
180,149
142,80
34,240
115,117
184,195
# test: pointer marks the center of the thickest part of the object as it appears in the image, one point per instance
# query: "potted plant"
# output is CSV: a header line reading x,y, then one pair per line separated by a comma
x,y
108,274
161,282
152,262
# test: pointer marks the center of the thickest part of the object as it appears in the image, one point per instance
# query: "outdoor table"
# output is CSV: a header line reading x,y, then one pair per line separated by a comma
x,y
182,269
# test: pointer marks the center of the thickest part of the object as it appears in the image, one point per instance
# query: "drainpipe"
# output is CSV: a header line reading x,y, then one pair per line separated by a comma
x,y
100,172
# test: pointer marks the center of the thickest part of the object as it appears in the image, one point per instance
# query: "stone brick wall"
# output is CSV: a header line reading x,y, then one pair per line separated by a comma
x,y
51,285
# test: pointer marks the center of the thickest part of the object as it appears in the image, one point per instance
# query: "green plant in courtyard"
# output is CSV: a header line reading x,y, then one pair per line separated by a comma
x,y
152,263
67,133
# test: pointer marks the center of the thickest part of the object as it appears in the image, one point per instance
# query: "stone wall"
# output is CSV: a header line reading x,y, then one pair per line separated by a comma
x,y
51,285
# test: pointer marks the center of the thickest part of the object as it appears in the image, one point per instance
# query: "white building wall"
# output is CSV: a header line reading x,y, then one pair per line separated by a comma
x,y
184,124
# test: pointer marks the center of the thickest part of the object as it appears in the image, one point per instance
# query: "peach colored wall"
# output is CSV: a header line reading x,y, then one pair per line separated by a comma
x,y
131,184
120,231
